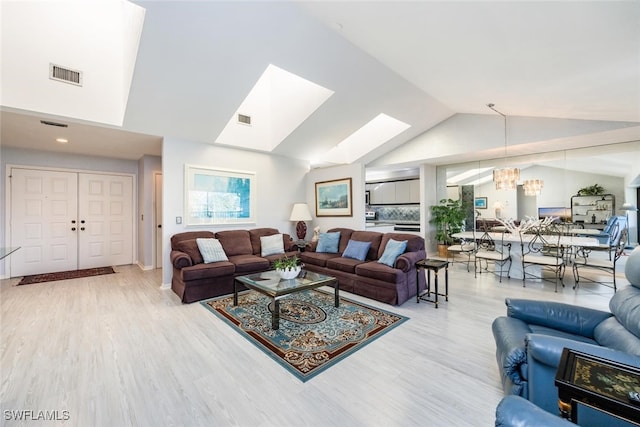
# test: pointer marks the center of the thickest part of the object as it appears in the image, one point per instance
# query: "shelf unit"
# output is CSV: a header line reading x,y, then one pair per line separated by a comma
x,y
592,209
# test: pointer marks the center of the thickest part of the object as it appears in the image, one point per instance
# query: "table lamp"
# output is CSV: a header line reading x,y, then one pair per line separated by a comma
x,y
300,213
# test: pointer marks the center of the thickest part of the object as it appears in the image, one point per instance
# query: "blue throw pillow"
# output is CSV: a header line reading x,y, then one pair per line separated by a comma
x,y
392,251
328,242
357,250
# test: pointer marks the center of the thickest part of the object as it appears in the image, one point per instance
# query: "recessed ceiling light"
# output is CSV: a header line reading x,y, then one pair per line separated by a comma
x,y
62,140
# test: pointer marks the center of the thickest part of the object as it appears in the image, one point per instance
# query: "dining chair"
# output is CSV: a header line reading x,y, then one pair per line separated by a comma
x,y
488,251
585,262
541,249
464,247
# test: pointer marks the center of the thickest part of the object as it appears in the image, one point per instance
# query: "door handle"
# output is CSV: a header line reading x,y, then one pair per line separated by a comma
x,y
73,221
159,225
82,228
73,229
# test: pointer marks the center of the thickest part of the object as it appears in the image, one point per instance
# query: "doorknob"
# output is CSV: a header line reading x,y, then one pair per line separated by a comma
x,y
159,225
82,228
73,221
73,229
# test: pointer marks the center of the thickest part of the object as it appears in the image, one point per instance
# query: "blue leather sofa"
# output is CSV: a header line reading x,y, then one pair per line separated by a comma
x,y
530,339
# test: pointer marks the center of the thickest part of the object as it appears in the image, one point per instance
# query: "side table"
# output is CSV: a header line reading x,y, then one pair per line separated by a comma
x,y
434,265
598,383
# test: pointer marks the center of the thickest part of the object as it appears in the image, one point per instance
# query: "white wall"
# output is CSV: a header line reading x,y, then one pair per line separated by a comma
x,y
357,174
21,157
281,182
147,166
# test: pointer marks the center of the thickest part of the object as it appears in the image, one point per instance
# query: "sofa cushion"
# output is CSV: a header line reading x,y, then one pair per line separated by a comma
x,y
255,234
317,258
357,250
374,237
271,245
207,271
610,333
376,270
211,250
414,243
392,251
348,265
345,235
190,247
328,242
625,306
235,242
249,263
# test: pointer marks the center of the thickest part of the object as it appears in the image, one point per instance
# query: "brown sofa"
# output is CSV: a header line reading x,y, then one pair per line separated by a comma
x,y
369,278
194,280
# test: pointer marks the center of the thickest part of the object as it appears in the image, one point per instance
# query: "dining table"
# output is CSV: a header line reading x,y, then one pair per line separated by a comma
x,y
516,271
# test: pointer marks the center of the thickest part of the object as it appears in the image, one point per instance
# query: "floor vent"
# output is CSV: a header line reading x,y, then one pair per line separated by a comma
x,y
66,75
48,123
246,120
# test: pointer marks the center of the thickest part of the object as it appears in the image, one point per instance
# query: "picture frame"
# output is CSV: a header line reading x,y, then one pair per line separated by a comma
x,y
219,196
334,198
480,203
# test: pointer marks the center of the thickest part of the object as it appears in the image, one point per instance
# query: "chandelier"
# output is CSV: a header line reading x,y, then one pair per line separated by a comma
x,y
532,187
505,178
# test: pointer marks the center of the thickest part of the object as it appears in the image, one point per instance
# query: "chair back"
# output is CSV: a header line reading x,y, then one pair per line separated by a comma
x,y
542,240
486,243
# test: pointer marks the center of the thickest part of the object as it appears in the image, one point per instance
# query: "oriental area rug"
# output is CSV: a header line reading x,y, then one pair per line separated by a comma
x,y
313,334
64,275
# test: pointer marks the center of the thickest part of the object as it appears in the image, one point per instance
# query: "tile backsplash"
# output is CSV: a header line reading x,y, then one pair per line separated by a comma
x,y
397,213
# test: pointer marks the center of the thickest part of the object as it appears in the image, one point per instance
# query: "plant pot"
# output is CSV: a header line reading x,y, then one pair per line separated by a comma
x,y
289,273
442,251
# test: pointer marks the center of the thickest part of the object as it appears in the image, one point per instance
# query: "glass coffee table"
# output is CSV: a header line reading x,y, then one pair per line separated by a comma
x,y
270,284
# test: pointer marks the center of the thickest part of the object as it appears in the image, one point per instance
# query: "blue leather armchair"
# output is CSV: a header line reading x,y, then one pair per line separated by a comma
x,y
530,339
514,411
611,231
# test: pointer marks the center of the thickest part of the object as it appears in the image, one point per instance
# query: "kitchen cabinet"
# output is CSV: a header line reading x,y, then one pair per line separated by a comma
x,y
394,192
592,209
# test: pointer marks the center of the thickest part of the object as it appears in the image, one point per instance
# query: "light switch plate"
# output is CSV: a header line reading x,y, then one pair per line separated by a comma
x,y
178,220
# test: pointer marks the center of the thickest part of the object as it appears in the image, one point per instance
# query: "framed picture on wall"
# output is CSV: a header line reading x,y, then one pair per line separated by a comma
x,y
218,196
333,198
480,203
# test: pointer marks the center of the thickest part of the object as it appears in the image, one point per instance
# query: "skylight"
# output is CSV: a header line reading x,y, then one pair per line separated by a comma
x,y
466,175
369,137
278,103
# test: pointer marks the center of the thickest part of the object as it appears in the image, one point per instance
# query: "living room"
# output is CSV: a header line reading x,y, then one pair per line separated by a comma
x,y
180,119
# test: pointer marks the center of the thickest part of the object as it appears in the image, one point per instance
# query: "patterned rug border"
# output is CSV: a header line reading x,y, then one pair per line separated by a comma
x,y
65,275
302,376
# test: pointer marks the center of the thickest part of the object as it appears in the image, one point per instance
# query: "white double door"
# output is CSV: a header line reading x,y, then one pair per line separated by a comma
x,y
69,220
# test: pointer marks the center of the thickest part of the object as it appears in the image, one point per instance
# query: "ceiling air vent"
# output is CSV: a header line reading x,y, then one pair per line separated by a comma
x,y
48,123
67,75
246,120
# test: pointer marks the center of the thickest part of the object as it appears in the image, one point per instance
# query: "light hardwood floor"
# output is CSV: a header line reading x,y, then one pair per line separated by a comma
x,y
117,350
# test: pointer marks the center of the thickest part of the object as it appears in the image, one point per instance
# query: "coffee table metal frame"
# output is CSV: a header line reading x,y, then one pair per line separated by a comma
x,y
270,284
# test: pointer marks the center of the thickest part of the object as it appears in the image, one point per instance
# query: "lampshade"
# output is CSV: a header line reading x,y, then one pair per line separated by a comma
x,y
300,212
532,187
628,207
506,179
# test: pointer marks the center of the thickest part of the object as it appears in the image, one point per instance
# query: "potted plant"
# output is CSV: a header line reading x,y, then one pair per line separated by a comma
x,y
594,190
448,217
287,267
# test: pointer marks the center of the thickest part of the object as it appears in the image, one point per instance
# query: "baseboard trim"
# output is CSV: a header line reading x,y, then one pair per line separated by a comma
x,y
165,286
145,267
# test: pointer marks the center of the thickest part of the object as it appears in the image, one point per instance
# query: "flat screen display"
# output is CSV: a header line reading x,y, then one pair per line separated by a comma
x,y
563,213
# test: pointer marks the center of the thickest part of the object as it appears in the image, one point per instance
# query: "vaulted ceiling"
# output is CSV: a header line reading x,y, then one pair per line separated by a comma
x,y
421,63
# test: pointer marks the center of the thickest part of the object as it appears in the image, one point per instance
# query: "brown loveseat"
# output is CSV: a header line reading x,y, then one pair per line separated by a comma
x,y
369,278
194,280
